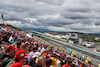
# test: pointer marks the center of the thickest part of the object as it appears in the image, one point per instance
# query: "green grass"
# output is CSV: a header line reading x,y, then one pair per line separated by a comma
x,y
89,37
98,44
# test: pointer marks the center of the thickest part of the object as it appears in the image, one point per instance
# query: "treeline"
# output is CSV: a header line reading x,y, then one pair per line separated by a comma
x,y
89,37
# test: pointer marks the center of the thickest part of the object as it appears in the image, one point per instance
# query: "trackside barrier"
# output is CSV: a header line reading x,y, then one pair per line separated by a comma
x,y
69,44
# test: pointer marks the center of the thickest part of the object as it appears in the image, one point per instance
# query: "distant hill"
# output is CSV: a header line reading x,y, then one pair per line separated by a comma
x,y
37,29
46,30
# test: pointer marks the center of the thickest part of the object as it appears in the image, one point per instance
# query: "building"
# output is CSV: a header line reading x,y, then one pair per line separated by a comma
x,y
65,37
74,41
73,38
89,44
80,41
97,38
73,35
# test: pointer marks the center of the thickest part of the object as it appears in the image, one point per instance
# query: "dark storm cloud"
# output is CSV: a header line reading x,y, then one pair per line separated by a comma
x,y
97,24
59,22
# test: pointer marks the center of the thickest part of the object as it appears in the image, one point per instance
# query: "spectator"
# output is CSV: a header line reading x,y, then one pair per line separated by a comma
x,y
32,53
2,50
39,62
18,44
48,62
34,57
1,39
50,53
15,41
69,64
11,39
54,61
52,66
10,52
39,49
43,49
58,60
24,47
46,56
30,48
20,59
6,37
82,65
1,44
73,65
62,59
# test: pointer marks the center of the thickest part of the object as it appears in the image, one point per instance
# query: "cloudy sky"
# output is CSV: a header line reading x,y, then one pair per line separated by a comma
x,y
54,15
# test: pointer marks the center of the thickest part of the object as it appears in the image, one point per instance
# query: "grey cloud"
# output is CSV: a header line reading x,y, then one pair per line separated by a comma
x,y
54,2
71,12
59,22
97,22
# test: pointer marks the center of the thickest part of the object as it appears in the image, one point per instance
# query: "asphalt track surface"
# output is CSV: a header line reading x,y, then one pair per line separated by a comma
x,y
89,54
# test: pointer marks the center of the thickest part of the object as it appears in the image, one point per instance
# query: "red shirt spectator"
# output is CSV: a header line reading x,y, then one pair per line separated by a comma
x,y
69,64
65,65
20,58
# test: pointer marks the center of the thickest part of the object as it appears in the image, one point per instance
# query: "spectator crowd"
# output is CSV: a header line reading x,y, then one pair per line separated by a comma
x,y
19,50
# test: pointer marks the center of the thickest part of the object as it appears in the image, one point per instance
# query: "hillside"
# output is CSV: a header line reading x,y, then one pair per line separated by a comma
x,y
11,26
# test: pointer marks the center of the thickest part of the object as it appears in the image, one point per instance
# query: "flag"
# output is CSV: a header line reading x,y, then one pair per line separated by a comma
x,y
2,16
